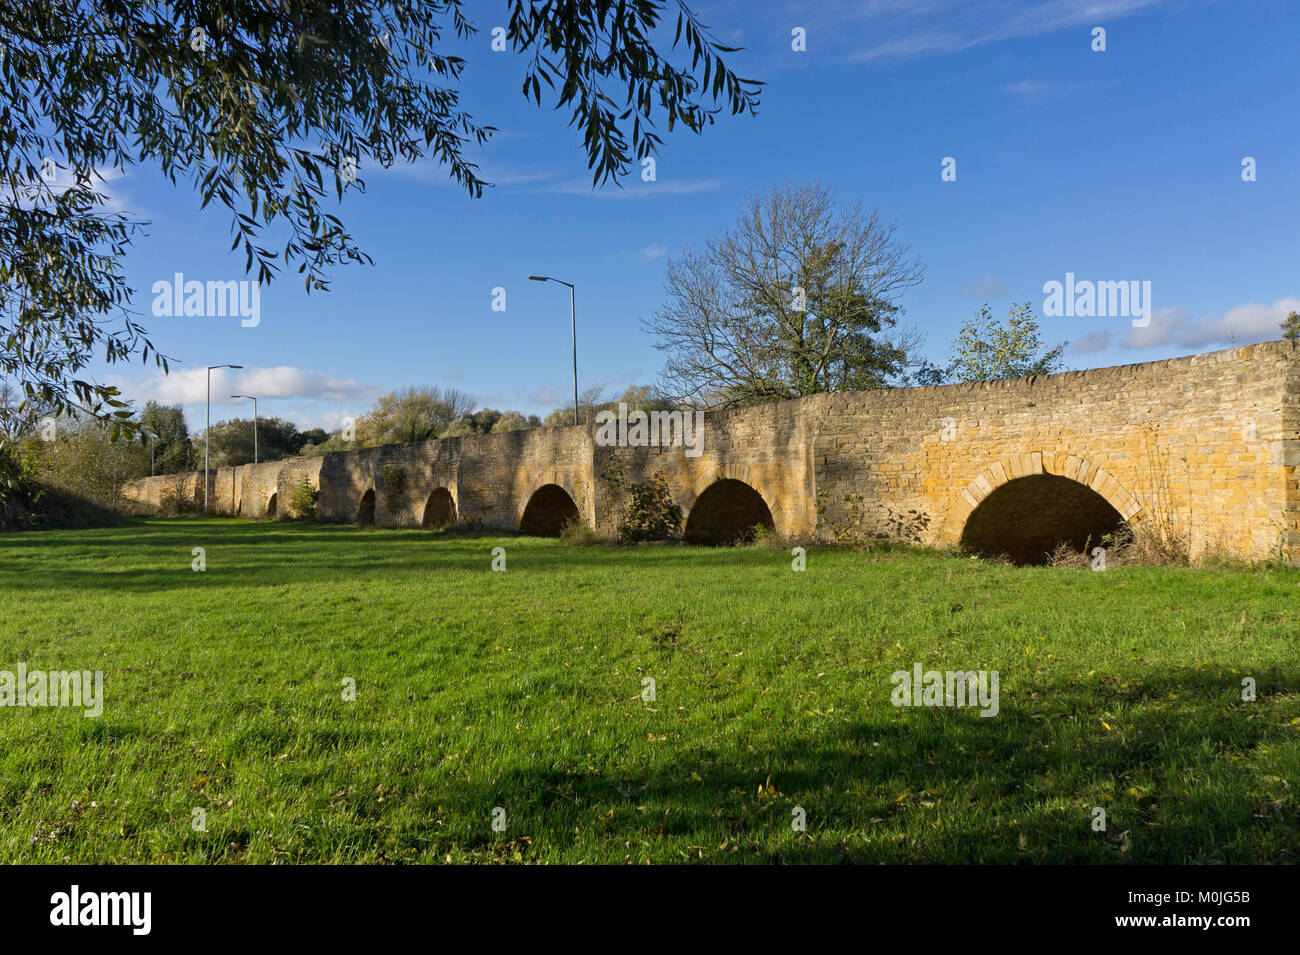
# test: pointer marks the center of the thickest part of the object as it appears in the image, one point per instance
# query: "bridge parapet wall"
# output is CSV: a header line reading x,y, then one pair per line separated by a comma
x,y
1207,446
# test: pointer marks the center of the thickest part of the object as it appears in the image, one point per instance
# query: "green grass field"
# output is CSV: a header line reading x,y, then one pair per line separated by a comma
x,y
523,690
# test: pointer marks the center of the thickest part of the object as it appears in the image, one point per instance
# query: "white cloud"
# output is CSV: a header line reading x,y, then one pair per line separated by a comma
x,y
189,386
1092,342
1242,324
654,250
309,399
112,198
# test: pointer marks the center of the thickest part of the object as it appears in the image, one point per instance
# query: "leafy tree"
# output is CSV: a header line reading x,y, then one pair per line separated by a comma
x,y
986,350
1291,327
312,437
589,402
10,424
271,109
19,490
798,298
88,461
18,415
231,442
516,421
412,414
172,449
480,422
303,503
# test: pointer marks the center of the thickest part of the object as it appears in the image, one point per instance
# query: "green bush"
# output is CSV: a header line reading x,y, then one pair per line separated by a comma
x,y
578,532
18,489
649,512
302,506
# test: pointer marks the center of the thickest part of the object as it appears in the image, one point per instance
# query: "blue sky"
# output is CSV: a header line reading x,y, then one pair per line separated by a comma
x,y
1121,165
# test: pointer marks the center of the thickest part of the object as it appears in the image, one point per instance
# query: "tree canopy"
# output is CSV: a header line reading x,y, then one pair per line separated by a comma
x,y
800,297
412,414
269,110
986,350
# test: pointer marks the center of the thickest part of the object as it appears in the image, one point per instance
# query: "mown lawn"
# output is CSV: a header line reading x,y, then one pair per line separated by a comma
x,y
523,690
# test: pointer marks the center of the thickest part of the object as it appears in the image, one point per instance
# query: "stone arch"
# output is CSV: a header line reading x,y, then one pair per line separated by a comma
x,y
733,470
726,511
439,509
272,504
1024,506
548,509
366,510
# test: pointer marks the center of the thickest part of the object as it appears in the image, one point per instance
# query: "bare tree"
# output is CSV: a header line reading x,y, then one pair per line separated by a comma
x,y
797,299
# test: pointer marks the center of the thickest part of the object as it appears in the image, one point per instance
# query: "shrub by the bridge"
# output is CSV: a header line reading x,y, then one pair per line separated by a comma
x,y
859,528
302,506
649,512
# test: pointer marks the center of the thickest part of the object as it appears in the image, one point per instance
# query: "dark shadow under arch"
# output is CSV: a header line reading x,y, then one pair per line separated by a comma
x,y
727,513
440,510
1025,519
272,504
548,510
366,512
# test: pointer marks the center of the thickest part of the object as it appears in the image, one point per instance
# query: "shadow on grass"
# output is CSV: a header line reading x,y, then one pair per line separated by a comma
x,y
1178,777
240,553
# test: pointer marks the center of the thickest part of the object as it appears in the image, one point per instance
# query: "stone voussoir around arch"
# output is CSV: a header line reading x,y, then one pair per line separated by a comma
x,y
554,476
732,470
1070,466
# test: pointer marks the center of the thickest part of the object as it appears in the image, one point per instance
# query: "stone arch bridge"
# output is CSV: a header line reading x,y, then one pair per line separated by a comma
x,y
1206,446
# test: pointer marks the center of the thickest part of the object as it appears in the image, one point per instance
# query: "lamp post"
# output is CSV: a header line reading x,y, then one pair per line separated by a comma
x,y
573,325
254,400
152,437
207,432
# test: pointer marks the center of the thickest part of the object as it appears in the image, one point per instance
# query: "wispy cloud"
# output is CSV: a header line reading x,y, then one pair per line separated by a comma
x,y
548,396
1091,343
1030,92
900,29
634,188
1240,325
986,286
435,173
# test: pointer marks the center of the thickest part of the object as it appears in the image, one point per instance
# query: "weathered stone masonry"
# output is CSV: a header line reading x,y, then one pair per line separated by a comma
x,y
1207,444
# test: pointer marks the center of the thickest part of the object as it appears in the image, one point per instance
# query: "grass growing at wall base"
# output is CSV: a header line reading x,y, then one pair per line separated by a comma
x,y
522,690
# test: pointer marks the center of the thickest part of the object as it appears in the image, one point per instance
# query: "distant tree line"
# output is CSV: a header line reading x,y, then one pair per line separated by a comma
x,y
418,414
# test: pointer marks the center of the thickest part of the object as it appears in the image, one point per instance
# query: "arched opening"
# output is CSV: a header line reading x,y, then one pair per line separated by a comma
x,y
548,510
440,510
727,513
366,513
272,504
1027,518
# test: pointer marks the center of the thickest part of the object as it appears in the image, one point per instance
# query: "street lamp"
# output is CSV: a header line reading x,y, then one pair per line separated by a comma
x,y
254,400
207,432
573,324
152,438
